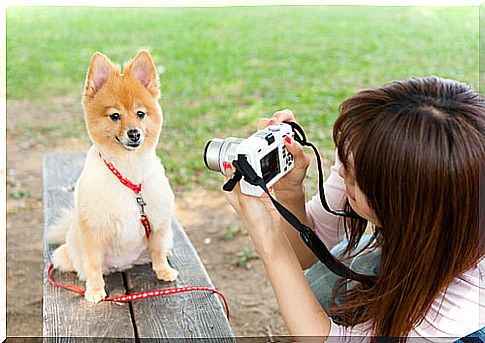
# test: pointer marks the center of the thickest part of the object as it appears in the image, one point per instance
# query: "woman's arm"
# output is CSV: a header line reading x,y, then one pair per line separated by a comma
x,y
302,313
294,200
290,192
300,310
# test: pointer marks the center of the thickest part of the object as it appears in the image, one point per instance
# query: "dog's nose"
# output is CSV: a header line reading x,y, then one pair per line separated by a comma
x,y
134,135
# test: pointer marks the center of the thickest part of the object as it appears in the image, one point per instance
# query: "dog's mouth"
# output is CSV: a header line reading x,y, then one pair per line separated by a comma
x,y
129,145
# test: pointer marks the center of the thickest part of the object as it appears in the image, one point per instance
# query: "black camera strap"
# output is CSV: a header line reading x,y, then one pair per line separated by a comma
x,y
301,138
244,169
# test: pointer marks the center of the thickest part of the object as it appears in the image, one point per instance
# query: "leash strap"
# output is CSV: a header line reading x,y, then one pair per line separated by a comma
x,y
142,295
244,169
71,288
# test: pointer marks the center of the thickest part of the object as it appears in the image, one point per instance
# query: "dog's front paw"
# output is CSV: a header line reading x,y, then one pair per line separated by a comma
x,y
166,274
95,295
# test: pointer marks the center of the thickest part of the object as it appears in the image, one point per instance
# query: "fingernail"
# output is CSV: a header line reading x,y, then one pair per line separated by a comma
x,y
226,165
288,139
271,122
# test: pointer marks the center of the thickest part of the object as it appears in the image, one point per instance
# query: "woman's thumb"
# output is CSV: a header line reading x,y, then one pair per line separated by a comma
x,y
293,146
296,150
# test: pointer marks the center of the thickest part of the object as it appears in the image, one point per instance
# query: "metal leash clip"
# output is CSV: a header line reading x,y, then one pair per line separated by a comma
x,y
141,203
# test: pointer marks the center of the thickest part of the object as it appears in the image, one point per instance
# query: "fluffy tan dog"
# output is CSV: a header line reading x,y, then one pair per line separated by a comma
x,y
104,231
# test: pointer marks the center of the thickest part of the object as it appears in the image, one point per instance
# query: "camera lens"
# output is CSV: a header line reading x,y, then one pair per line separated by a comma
x,y
211,154
218,150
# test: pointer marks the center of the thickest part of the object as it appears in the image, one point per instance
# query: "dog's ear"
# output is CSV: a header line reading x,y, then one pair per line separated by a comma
x,y
100,69
143,69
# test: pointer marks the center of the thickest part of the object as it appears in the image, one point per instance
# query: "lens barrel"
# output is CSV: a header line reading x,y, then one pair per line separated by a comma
x,y
218,150
211,154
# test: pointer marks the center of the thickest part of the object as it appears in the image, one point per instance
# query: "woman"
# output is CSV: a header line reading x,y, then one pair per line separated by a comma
x,y
410,156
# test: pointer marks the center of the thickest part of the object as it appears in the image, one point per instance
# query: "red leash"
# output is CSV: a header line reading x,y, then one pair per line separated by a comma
x,y
142,295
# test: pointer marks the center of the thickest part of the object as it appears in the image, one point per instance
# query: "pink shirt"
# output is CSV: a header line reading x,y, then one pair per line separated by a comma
x,y
461,312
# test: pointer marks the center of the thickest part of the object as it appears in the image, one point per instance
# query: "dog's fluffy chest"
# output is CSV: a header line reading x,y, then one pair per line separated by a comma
x,y
111,208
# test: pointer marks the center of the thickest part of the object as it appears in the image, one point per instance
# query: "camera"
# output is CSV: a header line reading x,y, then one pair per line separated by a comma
x,y
264,150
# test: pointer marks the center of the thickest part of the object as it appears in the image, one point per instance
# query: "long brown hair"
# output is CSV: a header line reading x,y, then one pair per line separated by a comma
x,y
418,149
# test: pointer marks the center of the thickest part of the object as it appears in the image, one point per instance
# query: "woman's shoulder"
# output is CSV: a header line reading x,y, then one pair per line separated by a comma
x,y
457,311
474,276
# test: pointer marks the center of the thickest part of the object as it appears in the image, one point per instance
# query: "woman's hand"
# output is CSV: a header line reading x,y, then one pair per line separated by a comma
x,y
259,216
268,230
293,181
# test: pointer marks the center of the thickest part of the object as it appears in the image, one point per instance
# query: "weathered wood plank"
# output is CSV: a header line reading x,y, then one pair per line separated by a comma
x,y
67,315
185,315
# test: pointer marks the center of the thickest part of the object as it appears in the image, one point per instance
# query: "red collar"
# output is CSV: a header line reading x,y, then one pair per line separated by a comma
x,y
136,189
126,182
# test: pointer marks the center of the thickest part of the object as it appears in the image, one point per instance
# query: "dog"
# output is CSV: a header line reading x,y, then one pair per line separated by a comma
x,y
113,227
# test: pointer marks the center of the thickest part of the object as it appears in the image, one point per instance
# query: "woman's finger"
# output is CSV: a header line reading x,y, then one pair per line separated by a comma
x,y
227,170
295,148
278,117
233,196
281,116
263,123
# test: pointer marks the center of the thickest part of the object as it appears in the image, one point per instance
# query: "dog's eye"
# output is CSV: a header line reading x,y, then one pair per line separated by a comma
x,y
140,114
115,117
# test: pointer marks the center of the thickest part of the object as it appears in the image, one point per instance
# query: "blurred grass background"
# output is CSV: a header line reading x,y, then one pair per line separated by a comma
x,y
223,68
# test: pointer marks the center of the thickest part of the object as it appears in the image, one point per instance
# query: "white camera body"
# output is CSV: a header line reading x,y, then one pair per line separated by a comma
x,y
266,153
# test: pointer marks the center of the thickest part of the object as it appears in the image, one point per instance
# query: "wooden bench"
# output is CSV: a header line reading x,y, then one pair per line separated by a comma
x,y
184,315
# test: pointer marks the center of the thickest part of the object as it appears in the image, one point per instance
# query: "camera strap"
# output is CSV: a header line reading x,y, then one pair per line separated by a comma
x,y
244,169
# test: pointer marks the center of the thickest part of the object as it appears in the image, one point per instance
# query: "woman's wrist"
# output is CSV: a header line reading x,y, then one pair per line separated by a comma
x,y
290,194
271,246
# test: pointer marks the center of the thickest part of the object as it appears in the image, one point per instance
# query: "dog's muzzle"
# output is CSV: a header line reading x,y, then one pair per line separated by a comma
x,y
132,139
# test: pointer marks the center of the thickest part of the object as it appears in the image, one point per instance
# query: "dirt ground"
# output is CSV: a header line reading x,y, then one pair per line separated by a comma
x,y
213,227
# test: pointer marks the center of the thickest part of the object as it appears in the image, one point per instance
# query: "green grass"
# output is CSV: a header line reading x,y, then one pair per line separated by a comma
x,y
230,232
244,256
227,67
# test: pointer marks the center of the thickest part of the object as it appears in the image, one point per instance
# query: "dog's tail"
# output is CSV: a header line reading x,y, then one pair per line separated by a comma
x,y
57,232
